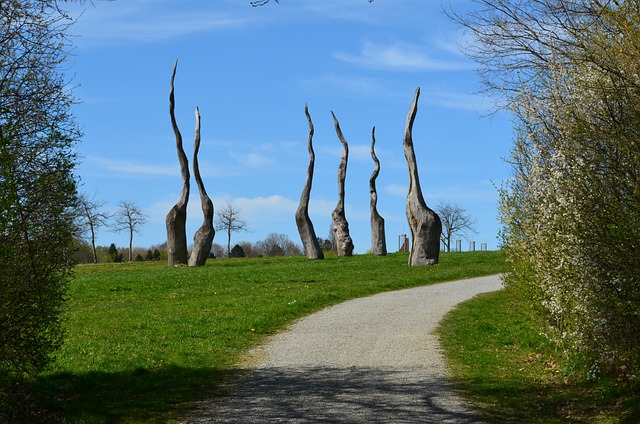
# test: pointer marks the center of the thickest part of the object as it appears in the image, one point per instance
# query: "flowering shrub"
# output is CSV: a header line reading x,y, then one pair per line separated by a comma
x,y
571,210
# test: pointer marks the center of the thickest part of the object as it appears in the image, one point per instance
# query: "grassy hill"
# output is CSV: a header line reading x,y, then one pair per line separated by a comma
x,y
144,340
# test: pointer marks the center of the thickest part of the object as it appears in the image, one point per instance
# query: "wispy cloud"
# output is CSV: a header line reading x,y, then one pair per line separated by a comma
x,y
462,101
148,21
252,159
357,152
257,156
396,190
131,167
404,56
360,152
333,84
482,191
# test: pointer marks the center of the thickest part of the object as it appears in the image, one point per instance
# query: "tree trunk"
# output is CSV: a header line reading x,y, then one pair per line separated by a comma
x,y
340,227
177,216
424,223
131,244
203,238
378,238
93,243
305,227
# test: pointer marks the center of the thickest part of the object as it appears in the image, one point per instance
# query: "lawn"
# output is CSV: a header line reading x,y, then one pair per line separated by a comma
x,y
507,368
145,341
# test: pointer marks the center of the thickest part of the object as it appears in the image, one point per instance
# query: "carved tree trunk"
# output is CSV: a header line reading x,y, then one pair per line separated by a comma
x,y
203,238
424,223
177,216
378,238
340,226
305,226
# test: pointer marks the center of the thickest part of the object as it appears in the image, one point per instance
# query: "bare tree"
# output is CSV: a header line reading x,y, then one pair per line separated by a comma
x,y
378,238
230,220
455,220
217,249
344,244
204,236
261,2
92,217
277,245
424,223
305,226
258,3
129,218
177,217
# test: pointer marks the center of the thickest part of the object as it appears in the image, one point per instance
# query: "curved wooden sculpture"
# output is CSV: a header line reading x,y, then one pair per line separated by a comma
x,y
378,238
177,216
340,226
203,238
424,223
305,226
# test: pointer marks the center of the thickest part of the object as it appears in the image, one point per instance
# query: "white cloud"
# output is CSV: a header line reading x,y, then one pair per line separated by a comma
x,y
147,21
396,190
332,84
137,168
322,207
360,152
401,56
124,167
461,101
273,205
251,159
357,152
479,191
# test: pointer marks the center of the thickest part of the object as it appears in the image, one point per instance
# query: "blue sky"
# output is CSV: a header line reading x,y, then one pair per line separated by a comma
x,y
251,71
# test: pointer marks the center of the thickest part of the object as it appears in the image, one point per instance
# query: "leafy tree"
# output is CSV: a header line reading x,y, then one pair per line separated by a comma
x,y
237,252
129,218
81,252
230,221
90,217
249,248
113,254
568,72
325,244
455,220
37,189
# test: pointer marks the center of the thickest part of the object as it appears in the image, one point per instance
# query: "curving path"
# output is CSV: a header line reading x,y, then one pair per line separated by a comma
x,y
373,359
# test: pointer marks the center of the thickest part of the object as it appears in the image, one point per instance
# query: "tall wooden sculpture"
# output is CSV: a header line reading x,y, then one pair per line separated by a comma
x,y
177,217
203,238
378,238
424,223
340,226
305,227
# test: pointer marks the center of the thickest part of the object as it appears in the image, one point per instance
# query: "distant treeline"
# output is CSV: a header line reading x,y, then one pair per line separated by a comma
x,y
273,245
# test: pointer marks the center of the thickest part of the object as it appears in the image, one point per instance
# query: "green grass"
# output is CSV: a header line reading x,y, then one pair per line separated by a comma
x,y
513,374
145,341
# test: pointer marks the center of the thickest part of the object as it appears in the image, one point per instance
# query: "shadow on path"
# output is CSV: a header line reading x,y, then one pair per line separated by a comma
x,y
335,395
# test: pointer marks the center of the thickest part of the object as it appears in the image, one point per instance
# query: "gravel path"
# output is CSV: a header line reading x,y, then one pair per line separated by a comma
x,y
373,359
